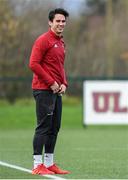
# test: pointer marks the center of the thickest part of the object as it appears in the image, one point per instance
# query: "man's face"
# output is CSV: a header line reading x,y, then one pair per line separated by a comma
x,y
58,24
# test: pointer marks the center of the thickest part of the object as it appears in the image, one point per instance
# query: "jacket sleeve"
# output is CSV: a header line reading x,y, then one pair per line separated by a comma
x,y
38,51
65,79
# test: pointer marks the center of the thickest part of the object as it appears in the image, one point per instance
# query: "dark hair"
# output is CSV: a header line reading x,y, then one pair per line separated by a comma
x,y
52,13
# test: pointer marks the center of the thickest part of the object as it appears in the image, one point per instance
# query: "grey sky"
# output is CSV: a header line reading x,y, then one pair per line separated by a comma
x,y
73,6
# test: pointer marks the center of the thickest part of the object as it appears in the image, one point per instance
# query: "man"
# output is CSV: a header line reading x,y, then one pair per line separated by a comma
x,y
49,83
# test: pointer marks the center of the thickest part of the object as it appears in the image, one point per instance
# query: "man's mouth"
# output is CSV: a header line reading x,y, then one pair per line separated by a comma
x,y
60,28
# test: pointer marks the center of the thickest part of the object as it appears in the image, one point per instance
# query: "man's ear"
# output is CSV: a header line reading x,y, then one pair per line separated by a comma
x,y
50,23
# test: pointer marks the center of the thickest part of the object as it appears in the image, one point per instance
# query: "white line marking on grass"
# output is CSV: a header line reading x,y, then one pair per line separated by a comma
x,y
26,170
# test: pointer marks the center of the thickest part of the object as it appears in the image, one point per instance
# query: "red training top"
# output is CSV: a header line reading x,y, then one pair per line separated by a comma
x,y
47,61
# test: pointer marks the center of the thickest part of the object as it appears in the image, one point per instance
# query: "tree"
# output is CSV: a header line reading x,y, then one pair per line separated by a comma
x,y
18,32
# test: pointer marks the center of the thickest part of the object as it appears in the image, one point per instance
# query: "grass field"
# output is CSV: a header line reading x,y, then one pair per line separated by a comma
x,y
89,153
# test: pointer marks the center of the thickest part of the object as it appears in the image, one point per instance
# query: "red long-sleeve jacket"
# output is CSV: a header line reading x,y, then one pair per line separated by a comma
x,y
47,61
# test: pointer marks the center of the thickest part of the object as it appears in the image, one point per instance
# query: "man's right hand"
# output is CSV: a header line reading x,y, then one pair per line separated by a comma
x,y
55,87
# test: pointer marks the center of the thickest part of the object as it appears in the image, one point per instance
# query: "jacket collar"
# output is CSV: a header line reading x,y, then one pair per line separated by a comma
x,y
54,35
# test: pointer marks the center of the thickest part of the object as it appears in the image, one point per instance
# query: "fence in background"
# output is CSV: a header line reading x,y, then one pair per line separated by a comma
x,y
12,88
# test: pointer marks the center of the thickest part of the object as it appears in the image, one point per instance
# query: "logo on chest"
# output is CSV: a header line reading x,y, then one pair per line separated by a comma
x,y
60,46
55,45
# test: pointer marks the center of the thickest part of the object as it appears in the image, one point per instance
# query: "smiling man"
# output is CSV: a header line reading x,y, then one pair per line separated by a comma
x,y
48,84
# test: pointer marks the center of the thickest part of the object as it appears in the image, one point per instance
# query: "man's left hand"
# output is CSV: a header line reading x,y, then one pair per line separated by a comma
x,y
62,89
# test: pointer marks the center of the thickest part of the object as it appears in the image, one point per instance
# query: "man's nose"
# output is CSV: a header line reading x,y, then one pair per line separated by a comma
x,y
61,23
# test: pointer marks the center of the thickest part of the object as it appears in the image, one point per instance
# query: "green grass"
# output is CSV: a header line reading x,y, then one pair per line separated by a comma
x,y
22,115
89,153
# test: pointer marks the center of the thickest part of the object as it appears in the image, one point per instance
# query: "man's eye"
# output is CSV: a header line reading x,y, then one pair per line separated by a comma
x,y
60,21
